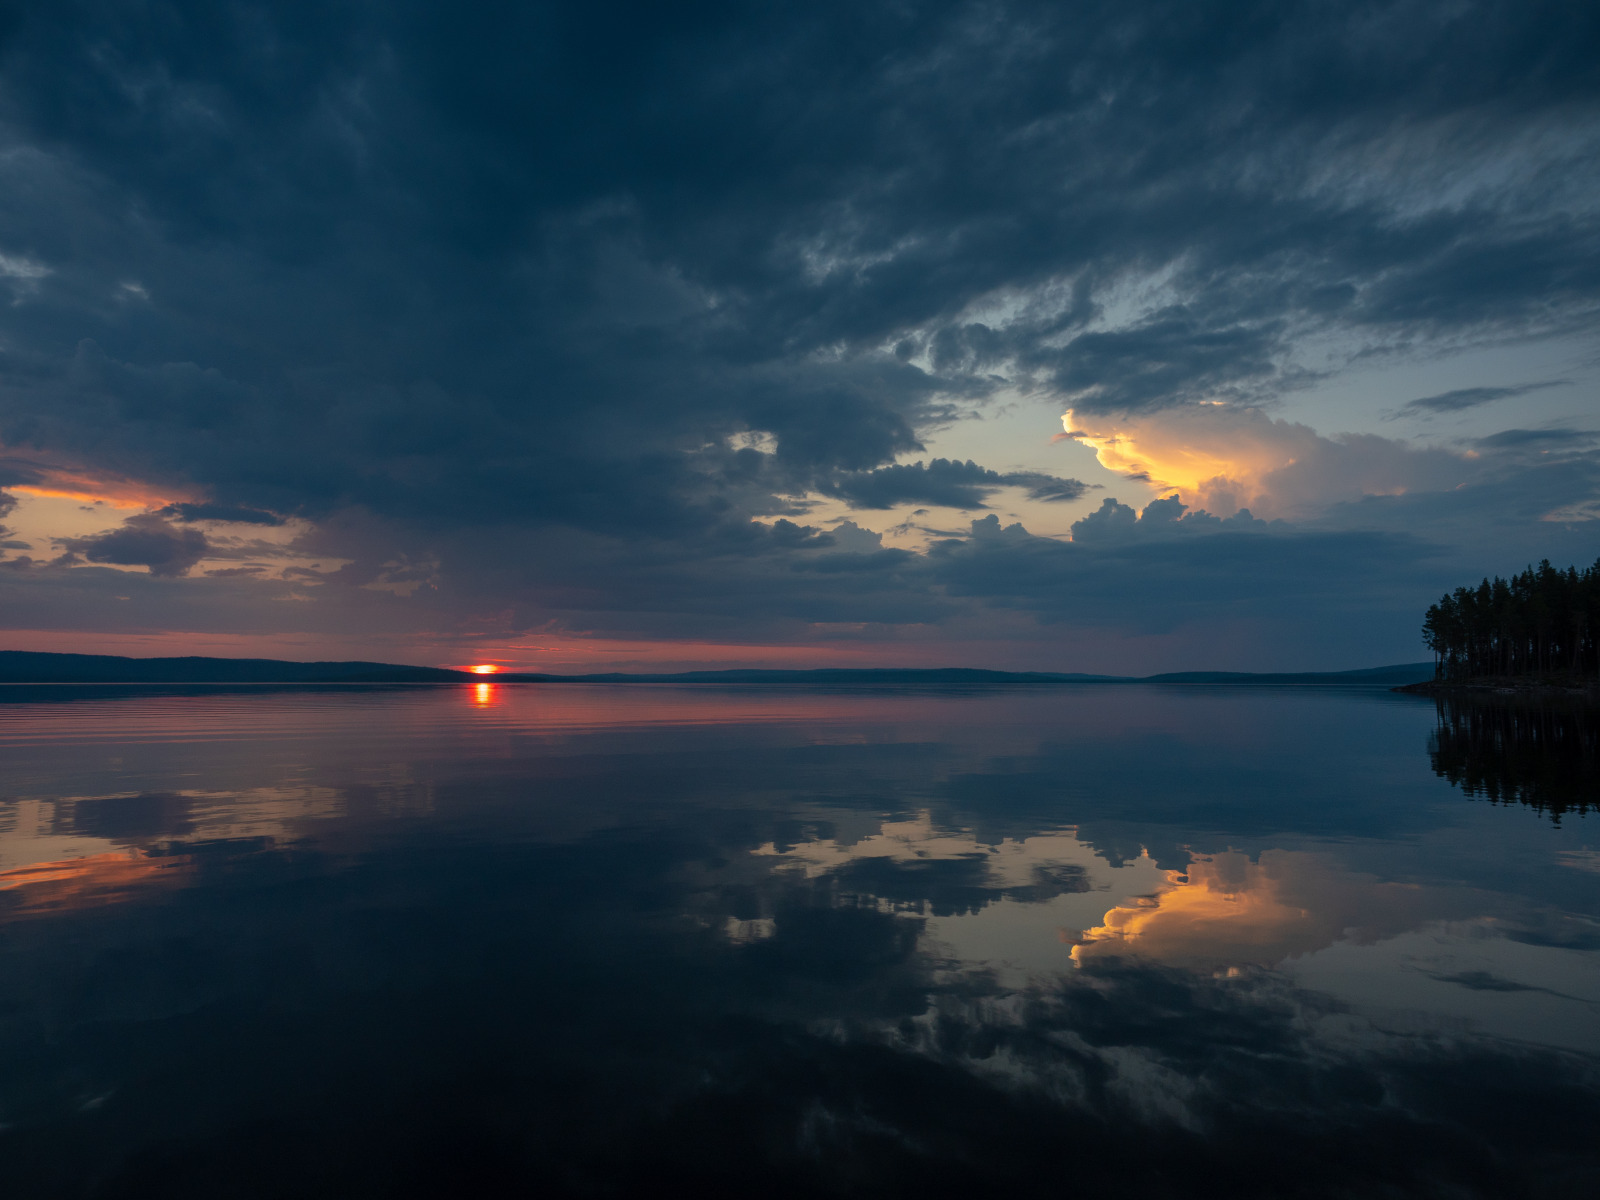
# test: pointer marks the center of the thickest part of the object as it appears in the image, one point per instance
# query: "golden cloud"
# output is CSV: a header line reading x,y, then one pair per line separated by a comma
x,y
1223,459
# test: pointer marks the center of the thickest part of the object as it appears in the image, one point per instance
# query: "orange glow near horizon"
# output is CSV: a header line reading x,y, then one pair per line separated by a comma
x,y
485,669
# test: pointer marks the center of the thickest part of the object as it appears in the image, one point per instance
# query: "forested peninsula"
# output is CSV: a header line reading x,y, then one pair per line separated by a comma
x,y
1537,629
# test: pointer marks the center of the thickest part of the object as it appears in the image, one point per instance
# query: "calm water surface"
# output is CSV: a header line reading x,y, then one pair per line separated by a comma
x,y
586,940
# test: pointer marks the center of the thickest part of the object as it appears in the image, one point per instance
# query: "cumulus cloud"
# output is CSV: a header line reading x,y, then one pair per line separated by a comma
x,y
1227,458
1117,522
144,540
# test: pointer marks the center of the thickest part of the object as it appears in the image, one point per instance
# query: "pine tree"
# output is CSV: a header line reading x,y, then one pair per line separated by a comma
x,y
1543,620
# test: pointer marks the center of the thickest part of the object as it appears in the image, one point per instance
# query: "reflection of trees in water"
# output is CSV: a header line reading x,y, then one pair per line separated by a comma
x,y
1544,755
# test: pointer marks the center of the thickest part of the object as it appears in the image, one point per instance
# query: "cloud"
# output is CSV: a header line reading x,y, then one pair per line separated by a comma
x,y
1117,522
1228,458
8,502
1473,397
505,289
144,540
1049,488
1172,358
946,483
1184,575
221,512
1180,589
1512,439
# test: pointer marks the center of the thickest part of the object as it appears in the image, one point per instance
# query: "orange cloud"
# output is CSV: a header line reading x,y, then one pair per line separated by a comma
x,y
68,482
1223,459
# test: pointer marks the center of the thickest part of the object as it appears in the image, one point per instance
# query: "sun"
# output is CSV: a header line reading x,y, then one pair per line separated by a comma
x,y
485,669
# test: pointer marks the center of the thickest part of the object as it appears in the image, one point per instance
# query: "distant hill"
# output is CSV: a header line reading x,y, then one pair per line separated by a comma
x,y
1395,676
876,675
22,666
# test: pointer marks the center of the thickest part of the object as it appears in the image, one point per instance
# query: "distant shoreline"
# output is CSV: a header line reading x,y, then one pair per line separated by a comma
x,y
21,668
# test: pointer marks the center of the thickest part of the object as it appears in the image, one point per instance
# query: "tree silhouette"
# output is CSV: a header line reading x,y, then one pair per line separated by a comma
x,y
1543,621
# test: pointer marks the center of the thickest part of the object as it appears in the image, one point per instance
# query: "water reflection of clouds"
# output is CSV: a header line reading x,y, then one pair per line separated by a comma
x,y
1580,860
1010,905
1025,912
46,887
1482,976
76,851
1228,910
1009,863
1017,900
844,944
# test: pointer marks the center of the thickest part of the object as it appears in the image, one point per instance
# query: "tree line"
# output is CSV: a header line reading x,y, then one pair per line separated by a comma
x,y
1543,621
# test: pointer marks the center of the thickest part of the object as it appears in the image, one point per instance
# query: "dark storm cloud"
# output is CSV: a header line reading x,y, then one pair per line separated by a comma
x,y
14,472
411,270
1174,357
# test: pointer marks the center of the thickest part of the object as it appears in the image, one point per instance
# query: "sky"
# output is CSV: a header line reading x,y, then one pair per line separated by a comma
x,y
1108,336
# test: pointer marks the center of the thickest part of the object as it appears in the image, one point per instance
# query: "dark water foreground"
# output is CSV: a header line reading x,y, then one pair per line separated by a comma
x,y
520,941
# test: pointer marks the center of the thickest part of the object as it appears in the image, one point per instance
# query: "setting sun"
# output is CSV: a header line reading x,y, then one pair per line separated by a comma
x,y
485,669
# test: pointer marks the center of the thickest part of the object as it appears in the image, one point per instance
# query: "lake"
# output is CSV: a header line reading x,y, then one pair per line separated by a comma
x,y
595,940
